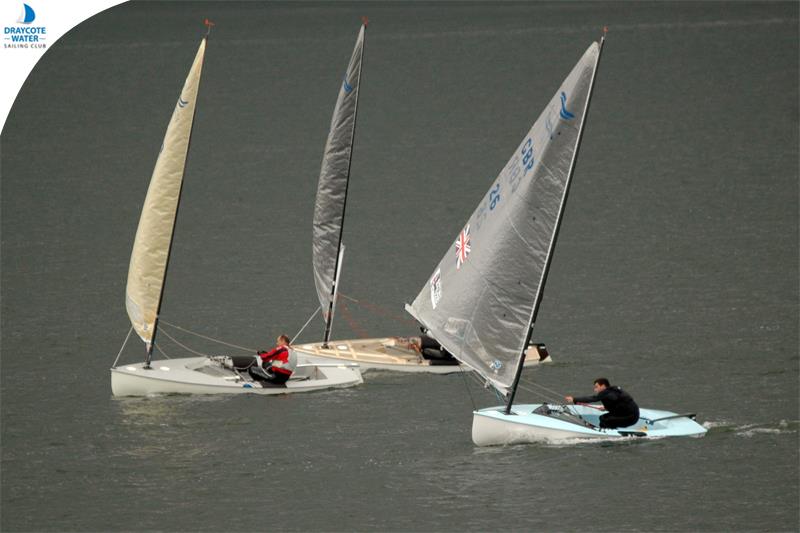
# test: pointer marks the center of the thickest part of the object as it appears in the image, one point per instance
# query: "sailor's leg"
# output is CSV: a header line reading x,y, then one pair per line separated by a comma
x,y
610,421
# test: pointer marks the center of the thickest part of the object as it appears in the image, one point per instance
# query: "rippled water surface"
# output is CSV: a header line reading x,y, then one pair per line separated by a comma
x,y
676,273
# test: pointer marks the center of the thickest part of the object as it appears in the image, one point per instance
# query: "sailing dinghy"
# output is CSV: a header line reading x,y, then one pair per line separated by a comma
x,y
389,353
328,248
481,304
145,288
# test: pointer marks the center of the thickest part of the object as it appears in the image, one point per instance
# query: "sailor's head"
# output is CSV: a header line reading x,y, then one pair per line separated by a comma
x,y
601,384
283,340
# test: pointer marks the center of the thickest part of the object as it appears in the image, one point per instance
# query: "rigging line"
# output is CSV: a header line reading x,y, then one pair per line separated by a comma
x,y
554,393
466,385
484,383
559,398
351,322
294,339
533,383
574,412
170,337
158,347
161,321
379,310
128,336
569,409
541,395
497,394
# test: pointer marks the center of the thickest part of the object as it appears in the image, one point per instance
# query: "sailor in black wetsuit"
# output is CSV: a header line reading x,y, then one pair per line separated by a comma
x,y
622,410
434,352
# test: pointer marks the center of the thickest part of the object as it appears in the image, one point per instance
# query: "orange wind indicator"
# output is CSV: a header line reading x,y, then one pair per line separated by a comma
x,y
209,24
605,30
365,20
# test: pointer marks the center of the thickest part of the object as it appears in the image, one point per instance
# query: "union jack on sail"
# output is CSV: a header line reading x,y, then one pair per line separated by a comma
x,y
462,247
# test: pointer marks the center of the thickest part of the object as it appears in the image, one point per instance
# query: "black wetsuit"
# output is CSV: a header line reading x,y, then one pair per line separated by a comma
x,y
434,352
622,410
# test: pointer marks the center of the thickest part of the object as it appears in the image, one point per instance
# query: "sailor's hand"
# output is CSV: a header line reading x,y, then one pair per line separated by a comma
x,y
569,399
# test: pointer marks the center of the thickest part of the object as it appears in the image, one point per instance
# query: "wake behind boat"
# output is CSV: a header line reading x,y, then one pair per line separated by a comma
x,y
147,275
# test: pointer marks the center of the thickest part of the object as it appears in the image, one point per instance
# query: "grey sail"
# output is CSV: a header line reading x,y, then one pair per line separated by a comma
x,y
334,175
479,301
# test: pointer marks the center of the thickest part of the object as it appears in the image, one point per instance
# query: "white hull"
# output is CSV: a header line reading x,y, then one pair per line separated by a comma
x,y
492,427
388,353
201,375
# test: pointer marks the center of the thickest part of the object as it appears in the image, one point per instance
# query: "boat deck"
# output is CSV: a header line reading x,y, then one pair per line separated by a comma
x,y
396,353
386,350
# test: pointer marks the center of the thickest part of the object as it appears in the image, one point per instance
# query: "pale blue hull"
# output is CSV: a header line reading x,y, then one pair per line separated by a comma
x,y
491,426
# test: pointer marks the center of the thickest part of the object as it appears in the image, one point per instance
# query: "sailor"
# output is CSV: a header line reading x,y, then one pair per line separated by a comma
x,y
431,350
277,364
622,410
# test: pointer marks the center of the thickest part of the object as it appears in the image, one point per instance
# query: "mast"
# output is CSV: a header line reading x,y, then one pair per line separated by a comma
x,y
152,342
339,247
546,270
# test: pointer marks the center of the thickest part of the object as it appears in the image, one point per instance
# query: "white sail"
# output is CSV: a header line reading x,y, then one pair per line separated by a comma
x,y
333,180
478,303
154,234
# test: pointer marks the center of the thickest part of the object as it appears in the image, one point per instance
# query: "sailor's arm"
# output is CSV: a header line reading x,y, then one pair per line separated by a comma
x,y
267,356
583,399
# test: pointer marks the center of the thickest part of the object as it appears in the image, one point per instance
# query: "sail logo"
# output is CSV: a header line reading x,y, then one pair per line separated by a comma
x,y
182,103
346,86
28,14
463,247
565,114
436,287
24,34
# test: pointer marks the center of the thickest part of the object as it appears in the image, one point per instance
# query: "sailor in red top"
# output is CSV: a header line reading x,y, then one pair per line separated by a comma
x,y
277,363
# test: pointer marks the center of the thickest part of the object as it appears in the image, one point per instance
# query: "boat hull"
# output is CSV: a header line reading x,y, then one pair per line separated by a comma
x,y
387,353
492,427
201,375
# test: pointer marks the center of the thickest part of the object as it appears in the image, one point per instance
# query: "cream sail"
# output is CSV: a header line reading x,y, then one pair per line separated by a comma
x,y
154,236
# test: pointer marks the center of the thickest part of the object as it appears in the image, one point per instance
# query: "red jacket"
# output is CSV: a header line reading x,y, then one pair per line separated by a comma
x,y
279,357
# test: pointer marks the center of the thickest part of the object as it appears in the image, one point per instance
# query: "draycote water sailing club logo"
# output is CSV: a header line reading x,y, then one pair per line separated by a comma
x,y
24,34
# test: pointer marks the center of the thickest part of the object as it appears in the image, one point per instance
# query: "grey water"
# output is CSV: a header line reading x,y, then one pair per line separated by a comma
x,y
675,275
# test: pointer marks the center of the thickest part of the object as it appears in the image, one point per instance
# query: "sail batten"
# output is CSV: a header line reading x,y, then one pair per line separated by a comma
x,y
331,200
151,247
478,302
